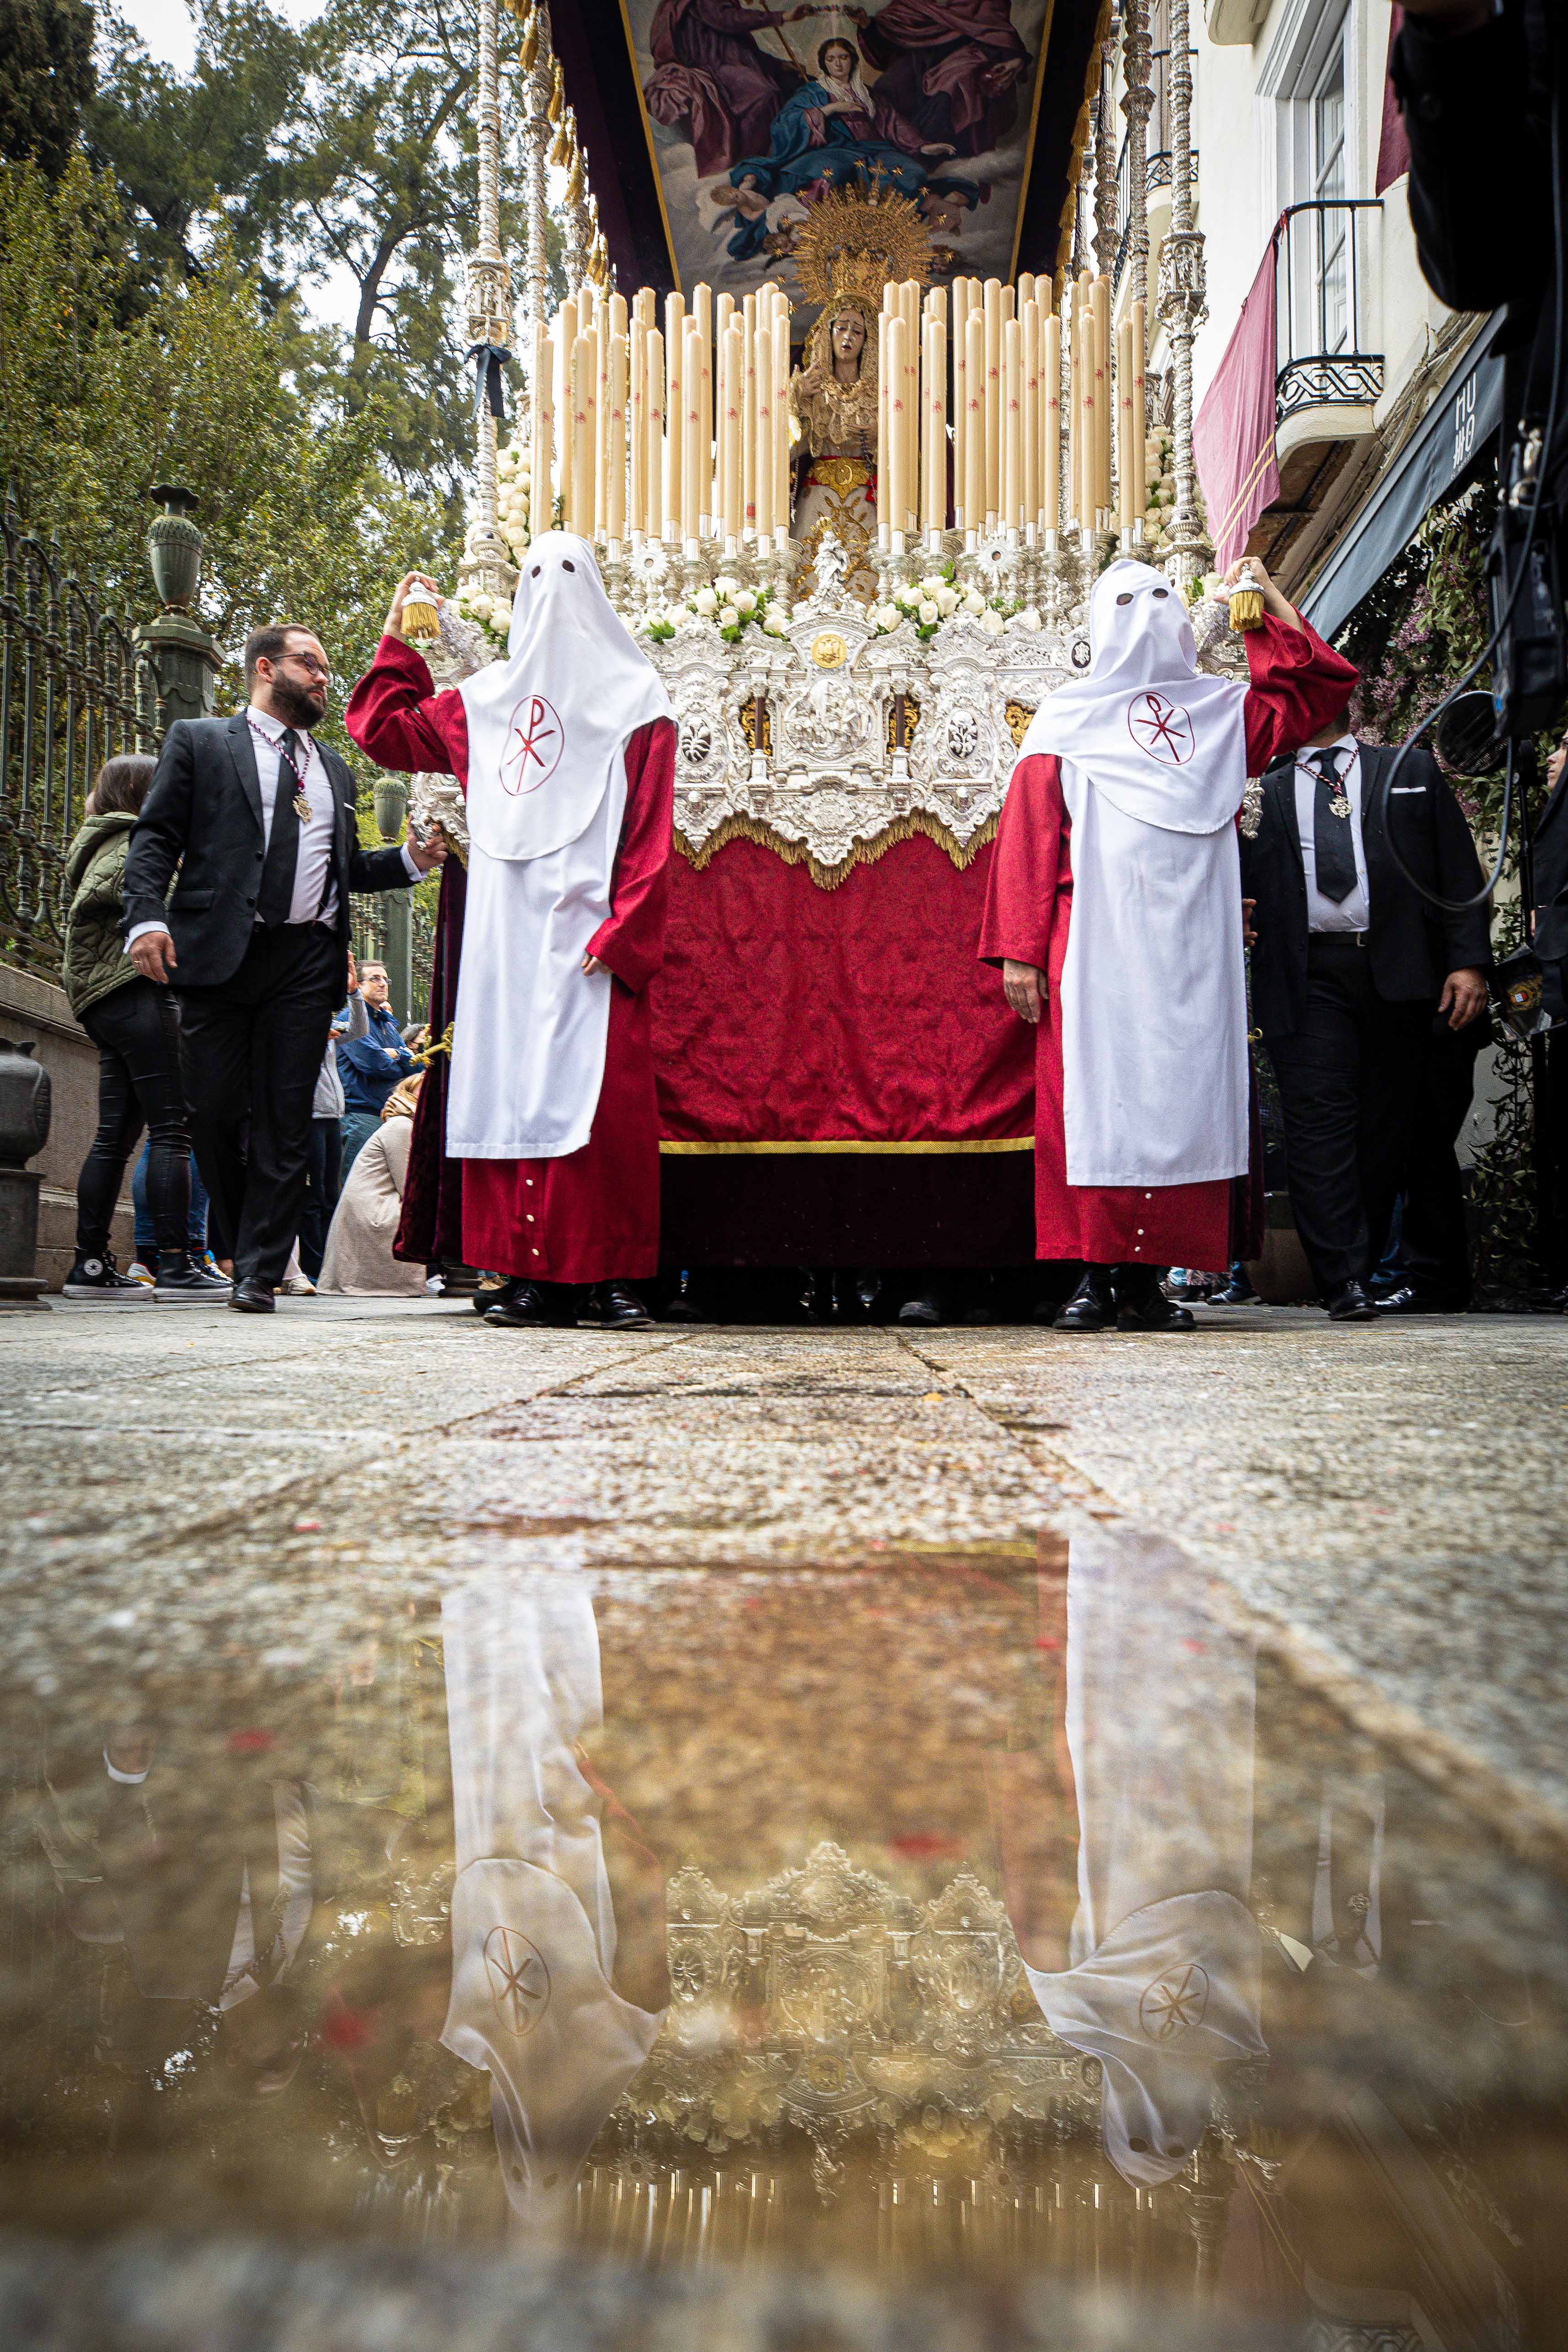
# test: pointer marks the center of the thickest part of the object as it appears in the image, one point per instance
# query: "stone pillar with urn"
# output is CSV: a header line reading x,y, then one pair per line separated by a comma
x,y
181,656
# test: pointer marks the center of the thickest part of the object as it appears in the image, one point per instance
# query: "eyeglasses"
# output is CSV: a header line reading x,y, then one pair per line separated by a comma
x,y
308,662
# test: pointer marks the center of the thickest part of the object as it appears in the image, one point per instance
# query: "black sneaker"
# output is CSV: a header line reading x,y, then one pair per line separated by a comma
x,y
95,1278
182,1282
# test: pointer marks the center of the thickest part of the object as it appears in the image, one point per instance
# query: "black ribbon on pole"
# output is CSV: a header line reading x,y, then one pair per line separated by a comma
x,y
489,384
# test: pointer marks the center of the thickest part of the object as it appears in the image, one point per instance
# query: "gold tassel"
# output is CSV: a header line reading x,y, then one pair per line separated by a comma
x,y
574,183
557,94
421,622
531,50
1247,604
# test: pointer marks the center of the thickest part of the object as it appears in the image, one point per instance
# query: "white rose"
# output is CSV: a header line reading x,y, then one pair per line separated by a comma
x,y
728,618
501,615
745,601
891,616
481,606
933,583
704,602
947,599
1027,619
974,603
991,622
726,587
929,611
773,621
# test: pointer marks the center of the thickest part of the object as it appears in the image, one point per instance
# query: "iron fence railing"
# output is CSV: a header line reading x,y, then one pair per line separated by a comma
x,y
1156,150
73,693
1322,310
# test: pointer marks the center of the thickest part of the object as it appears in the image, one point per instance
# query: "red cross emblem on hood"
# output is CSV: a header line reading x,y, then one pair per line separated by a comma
x,y
535,740
1160,728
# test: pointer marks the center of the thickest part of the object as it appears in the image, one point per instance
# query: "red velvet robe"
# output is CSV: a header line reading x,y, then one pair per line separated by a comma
x,y
1298,685
595,1215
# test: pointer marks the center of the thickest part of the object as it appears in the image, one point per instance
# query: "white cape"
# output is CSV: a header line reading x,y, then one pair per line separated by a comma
x,y
533,1923
547,730
1153,991
1164,1980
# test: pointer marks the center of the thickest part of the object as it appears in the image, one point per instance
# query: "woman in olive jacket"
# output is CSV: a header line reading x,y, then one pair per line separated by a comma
x,y
135,1025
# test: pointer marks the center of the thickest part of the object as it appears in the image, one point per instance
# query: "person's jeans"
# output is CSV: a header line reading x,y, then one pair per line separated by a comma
x,y
358,1126
137,1032
321,1192
146,1232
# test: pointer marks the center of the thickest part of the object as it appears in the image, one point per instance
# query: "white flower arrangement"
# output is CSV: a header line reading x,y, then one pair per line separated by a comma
x,y
493,615
1159,466
937,597
513,497
731,608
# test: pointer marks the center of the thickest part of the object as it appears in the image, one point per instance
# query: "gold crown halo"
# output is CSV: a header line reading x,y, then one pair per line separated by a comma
x,y
855,240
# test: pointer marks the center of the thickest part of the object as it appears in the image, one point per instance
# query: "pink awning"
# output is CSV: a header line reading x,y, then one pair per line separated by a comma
x,y
1233,433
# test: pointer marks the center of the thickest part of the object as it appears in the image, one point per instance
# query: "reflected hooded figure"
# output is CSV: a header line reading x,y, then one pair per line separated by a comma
x,y
535,1943
1163,1975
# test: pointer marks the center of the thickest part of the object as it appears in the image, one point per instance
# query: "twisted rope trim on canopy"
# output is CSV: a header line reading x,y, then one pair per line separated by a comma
x,y
865,852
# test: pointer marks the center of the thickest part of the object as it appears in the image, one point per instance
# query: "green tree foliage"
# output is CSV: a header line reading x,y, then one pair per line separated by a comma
x,y
194,153
343,153
45,79
300,514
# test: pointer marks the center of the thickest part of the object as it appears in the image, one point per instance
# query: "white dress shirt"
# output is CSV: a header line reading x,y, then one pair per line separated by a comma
x,y
315,859
1353,912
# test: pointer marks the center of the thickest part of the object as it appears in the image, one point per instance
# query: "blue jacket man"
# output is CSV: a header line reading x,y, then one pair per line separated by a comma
x,y
370,1066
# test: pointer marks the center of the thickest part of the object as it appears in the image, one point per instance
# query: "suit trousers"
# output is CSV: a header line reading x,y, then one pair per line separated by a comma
x,y
1435,1241
1347,1075
252,1050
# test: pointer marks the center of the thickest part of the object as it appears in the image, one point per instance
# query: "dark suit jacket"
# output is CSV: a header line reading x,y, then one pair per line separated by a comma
x,y
1413,946
203,814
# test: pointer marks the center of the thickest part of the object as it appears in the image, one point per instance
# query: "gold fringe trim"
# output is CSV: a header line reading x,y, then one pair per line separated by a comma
x,y
865,852
789,1146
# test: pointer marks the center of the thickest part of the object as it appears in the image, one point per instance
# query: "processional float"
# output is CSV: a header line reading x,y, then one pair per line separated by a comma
x,y
859,569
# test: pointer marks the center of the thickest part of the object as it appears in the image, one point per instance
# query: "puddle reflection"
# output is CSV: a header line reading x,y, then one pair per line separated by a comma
x,y
971,1915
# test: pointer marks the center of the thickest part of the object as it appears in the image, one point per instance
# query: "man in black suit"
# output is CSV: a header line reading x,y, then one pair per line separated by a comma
x,y
260,820
1351,973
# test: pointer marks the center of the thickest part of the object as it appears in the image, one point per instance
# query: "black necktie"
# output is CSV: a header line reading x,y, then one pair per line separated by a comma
x,y
277,895
1333,844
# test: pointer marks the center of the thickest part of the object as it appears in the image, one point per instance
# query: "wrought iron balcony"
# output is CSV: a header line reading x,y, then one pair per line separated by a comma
x,y
1323,326
1157,151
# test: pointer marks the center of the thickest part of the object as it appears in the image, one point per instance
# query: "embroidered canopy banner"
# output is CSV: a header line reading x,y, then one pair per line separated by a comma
x,y
753,112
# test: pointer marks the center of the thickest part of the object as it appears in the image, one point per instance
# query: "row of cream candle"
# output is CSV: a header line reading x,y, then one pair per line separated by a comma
x,y
683,434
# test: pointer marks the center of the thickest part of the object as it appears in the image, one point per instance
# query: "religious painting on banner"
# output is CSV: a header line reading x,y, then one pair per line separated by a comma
x,y
755,112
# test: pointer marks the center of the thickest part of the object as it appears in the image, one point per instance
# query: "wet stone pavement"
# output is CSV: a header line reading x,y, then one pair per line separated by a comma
x,y
740,1837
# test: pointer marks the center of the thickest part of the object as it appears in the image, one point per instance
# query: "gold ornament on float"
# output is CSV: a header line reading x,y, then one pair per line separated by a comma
x,y
829,651
855,241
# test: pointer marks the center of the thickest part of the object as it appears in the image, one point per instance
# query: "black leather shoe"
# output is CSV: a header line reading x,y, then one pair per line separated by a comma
x,y
1154,1312
1350,1304
525,1306
1238,1292
1407,1301
610,1306
924,1309
1093,1306
253,1298
491,1289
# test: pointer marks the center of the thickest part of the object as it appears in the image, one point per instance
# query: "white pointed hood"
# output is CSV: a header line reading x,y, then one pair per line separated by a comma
x,y
1162,741
547,726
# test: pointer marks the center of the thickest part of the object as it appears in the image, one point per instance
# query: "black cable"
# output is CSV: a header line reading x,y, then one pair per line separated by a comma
x,y
1544,467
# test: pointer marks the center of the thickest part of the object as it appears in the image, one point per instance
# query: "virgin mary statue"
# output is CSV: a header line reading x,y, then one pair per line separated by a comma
x,y
833,397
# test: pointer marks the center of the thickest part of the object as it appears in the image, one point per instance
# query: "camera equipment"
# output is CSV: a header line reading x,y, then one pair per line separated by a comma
x,y
1530,672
